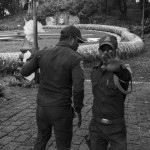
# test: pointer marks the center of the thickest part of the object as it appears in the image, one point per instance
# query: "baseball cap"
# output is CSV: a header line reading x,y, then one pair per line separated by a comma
x,y
108,40
74,32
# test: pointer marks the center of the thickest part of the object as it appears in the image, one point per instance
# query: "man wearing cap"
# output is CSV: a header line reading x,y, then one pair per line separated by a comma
x,y
107,126
61,78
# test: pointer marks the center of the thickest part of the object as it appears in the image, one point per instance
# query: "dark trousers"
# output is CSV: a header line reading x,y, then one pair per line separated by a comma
x,y
61,119
101,135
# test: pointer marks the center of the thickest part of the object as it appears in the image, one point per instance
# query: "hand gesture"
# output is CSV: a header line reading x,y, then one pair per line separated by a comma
x,y
110,61
26,56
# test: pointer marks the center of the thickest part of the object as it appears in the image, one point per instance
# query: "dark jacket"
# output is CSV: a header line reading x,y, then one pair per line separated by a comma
x,y
108,99
59,71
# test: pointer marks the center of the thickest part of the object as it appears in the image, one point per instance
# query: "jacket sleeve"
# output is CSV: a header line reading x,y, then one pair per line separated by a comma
x,y
78,85
31,65
123,74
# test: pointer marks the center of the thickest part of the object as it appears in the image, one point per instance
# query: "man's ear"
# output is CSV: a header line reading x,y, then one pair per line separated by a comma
x,y
71,39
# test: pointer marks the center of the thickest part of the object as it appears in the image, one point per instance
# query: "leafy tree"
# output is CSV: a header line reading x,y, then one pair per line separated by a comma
x,y
75,6
12,6
89,8
147,8
123,8
51,8
121,5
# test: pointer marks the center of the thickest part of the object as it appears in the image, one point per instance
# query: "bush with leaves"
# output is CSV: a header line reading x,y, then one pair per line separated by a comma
x,y
10,69
137,29
48,9
75,7
5,27
9,66
11,5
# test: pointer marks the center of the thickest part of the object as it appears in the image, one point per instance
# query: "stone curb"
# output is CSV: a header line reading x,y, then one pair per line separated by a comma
x,y
134,82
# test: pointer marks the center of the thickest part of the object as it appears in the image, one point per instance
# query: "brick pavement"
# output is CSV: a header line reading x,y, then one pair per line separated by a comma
x,y
18,126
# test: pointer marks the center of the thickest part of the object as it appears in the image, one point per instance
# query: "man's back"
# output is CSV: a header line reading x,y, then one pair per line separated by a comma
x,y
61,77
56,75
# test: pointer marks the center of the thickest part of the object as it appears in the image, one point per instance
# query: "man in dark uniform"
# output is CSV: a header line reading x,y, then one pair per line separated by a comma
x,y
61,75
107,126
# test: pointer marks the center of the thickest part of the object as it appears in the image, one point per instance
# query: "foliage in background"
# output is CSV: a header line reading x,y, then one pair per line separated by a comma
x,y
48,9
137,29
11,5
10,69
9,66
5,27
51,8
87,10
83,9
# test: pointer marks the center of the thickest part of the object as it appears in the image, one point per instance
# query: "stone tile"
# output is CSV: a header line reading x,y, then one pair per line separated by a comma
x,y
9,129
22,138
81,132
2,134
18,127
24,127
83,146
12,146
77,140
6,140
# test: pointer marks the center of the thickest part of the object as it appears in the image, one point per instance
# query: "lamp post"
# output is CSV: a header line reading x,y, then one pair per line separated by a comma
x,y
35,25
35,46
143,15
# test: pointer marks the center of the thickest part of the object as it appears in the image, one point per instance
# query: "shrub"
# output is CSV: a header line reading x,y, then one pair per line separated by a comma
x,y
137,29
4,27
10,69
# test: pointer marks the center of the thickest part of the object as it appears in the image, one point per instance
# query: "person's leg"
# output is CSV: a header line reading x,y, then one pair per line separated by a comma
x,y
97,138
117,138
63,128
44,128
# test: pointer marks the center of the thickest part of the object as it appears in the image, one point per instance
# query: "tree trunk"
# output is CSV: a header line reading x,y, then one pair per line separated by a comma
x,y
123,8
106,7
99,6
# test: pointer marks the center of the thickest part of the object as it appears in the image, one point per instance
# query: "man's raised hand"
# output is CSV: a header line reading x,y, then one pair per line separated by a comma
x,y
110,61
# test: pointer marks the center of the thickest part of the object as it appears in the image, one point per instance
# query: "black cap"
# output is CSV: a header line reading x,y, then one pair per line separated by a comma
x,y
108,40
72,31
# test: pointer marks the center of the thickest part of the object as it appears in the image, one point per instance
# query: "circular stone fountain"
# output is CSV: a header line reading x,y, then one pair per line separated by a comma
x,y
128,43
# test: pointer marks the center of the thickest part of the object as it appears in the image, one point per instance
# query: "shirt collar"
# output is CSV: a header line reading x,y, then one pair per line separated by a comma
x,y
63,44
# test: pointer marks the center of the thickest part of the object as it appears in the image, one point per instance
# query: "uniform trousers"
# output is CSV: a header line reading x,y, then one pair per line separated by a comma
x,y
61,119
102,135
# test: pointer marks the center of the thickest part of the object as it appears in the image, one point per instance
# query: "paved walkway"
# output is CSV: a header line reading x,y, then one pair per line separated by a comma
x,y
18,126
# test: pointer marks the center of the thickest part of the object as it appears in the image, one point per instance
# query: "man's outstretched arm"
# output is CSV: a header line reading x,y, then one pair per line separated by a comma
x,y
31,65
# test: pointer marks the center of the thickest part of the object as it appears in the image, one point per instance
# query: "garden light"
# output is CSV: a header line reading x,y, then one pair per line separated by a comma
x,y
137,1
